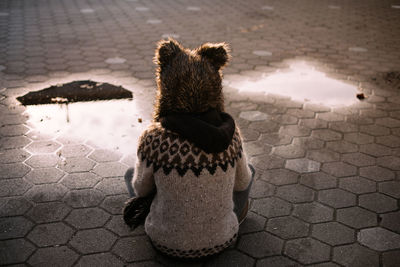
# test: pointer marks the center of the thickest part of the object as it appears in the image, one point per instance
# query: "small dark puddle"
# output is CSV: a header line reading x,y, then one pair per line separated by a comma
x,y
76,91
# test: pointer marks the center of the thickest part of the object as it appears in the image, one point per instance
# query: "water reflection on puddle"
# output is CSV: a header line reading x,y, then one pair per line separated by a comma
x,y
302,82
113,124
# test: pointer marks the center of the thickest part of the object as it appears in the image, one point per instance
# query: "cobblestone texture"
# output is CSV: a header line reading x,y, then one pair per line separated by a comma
x,y
327,187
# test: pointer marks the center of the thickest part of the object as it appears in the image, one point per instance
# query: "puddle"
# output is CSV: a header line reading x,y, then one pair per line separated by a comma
x,y
108,124
303,82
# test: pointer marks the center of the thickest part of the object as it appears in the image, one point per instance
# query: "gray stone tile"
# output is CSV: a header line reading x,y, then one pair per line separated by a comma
x,y
307,250
48,212
318,180
377,173
14,206
259,245
114,204
295,193
390,188
391,221
287,227
359,159
267,162
333,233
80,180
46,192
339,169
375,150
230,258
13,155
277,261
356,217
80,150
15,250
78,164
323,155
261,189
92,241
53,256
13,170
377,202
136,248
110,169
99,259
112,186
390,162
43,161
253,115
359,138
87,218
103,155
391,258
336,198
40,147
389,141
294,130
253,223
302,165
52,234
84,198
355,255
279,176
13,187
379,239
14,227
271,207
326,134
44,175
313,212
357,185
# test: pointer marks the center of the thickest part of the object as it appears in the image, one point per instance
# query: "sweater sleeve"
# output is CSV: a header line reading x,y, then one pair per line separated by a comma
x,y
242,175
143,179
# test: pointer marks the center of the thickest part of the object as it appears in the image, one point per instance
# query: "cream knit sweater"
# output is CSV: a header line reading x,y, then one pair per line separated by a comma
x,y
192,214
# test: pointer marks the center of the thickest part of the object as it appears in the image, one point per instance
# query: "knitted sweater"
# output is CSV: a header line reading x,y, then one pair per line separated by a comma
x,y
191,215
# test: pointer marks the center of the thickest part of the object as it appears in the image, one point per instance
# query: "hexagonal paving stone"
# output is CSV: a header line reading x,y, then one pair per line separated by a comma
x,y
375,150
110,169
94,240
13,155
280,176
318,180
14,142
253,115
333,233
80,180
14,206
357,185
78,164
114,204
104,155
266,162
326,135
13,170
339,169
359,138
69,151
87,218
391,221
389,141
276,261
344,127
374,130
43,161
271,207
378,202
51,234
294,130
313,212
44,175
48,212
379,239
377,173
261,189
355,256
13,130
295,193
391,258
40,147
14,227
53,256
230,258
84,198
287,227
260,245
337,198
15,250
359,159
390,162
46,192
252,223
323,155
112,186
275,139
356,217
390,188
99,259
249,134
342,146
307,250
302,165
388,122
264,126
118,226
136,248
13,187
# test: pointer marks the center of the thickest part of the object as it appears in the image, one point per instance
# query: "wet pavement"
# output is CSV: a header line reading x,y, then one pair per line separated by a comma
x,y
328,164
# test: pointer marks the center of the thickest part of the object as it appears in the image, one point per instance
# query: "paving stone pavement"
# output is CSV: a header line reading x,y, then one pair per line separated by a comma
x,y
328,178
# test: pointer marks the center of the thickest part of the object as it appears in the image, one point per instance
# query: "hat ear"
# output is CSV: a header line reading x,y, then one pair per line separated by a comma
x,y
166,51
217,54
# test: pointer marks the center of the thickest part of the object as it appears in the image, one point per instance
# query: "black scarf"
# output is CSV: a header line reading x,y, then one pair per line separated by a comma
x,y
211,131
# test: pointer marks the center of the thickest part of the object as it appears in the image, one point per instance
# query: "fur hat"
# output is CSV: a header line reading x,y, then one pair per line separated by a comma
x,y
189,81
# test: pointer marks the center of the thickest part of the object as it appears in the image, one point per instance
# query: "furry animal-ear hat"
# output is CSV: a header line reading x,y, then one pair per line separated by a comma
x,y
189,81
